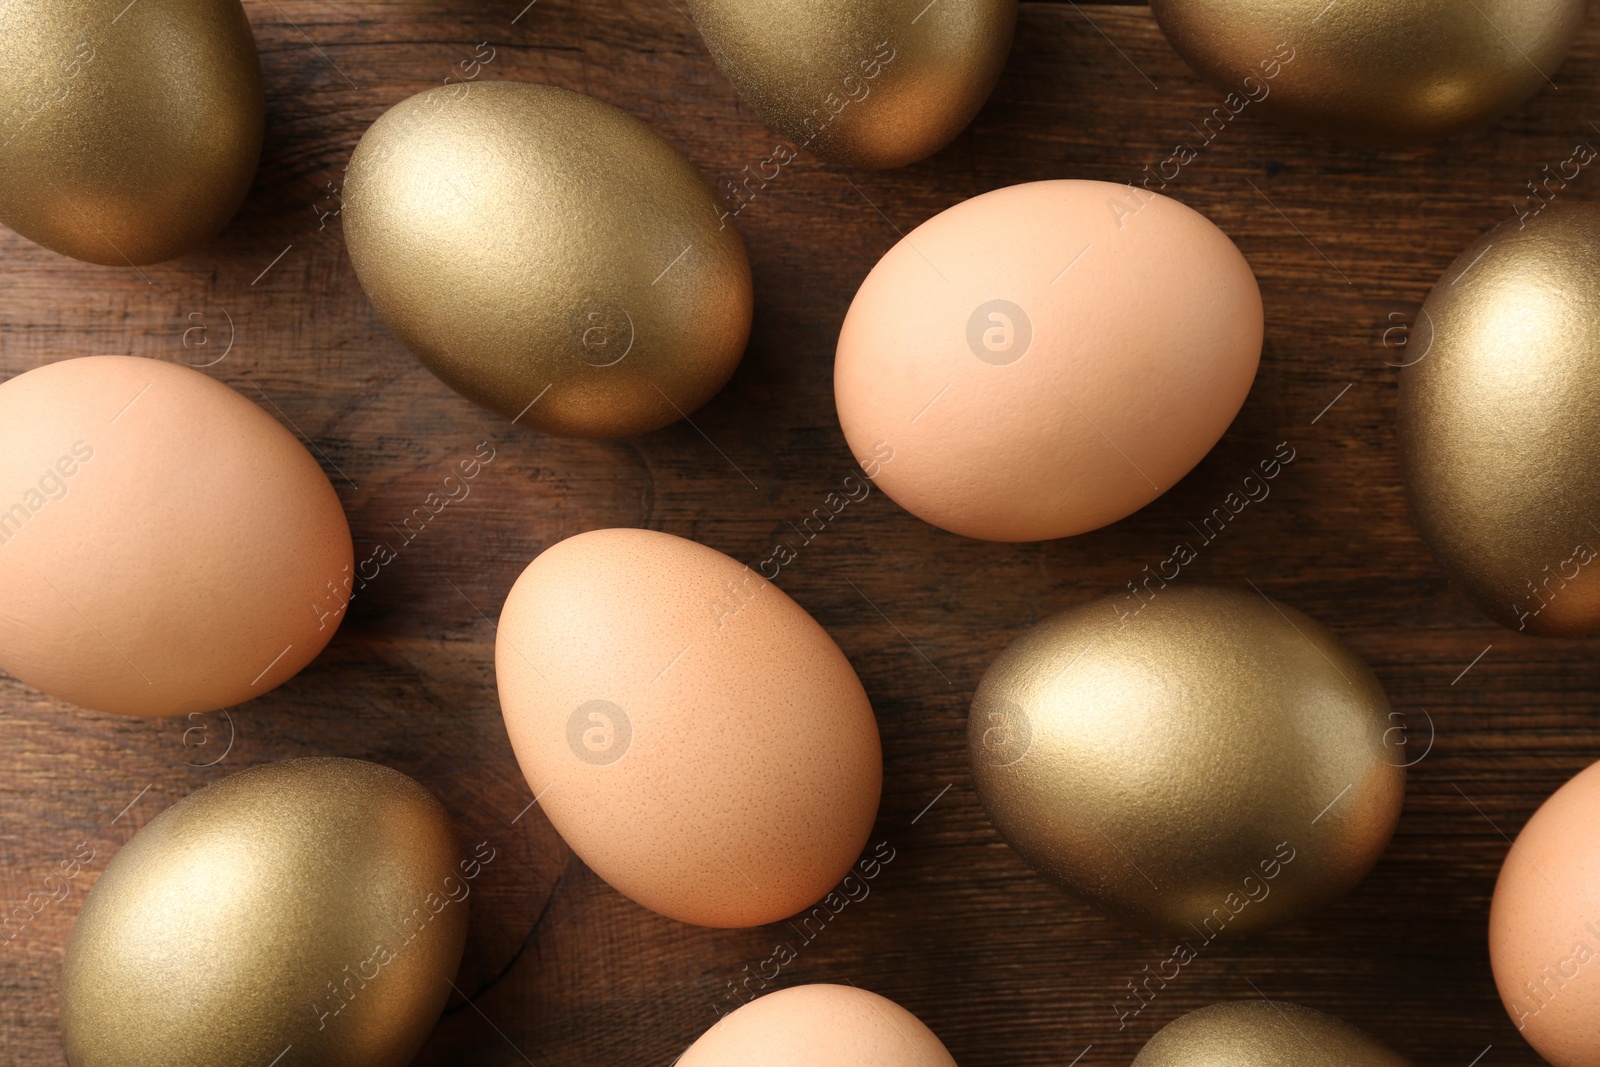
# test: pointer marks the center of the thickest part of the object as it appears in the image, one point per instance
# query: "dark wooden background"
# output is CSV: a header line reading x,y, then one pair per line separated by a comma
x,y
561,970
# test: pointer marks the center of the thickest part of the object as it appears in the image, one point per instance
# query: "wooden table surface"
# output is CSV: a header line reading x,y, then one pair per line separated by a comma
x,y
562,971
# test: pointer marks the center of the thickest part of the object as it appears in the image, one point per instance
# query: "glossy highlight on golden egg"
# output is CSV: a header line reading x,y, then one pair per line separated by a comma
x,y
166,546
1388,71
1263,1033
868,83
694,735
548,256
1499,421
312,911
1211,766
129,132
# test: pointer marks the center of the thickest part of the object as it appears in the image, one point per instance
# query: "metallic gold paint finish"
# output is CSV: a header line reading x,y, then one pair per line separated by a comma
x,y
868,83
548,256
1212,765
129,133
307,909
1386,71
1499,421
1263,1033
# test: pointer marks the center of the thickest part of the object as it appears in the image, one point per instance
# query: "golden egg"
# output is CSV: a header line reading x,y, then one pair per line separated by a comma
x,y
306,912
548,256
1500,421
129,132
1263,1033
868,83
1201,761
1395,71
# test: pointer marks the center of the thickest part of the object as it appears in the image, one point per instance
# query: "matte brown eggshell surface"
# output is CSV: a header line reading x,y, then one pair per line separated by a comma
x,y
165,545
693,734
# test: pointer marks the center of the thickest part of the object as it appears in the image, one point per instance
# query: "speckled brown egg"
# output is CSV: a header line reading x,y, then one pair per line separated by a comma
x,y
819,1026
694,735
165,545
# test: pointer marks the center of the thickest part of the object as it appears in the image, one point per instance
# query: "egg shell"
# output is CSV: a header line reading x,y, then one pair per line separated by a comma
x,y
1212,765
1385,71
1045,359
1263,1033
689,730
819,1026
129,133
1544,926
548,256
867,83
1499,421
165,545
306,912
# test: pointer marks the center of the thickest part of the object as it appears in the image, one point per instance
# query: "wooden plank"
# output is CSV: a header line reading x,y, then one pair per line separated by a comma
x,y
1007,970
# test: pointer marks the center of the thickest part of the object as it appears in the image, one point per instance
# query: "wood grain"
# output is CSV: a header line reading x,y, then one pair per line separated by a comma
x,y
561,971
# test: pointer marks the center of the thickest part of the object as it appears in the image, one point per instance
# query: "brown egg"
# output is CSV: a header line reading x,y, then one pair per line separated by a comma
x,y
1211,765
819,1026
1046,359
165,545
306,912
129,132
690,731
1544,926
1263,1033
